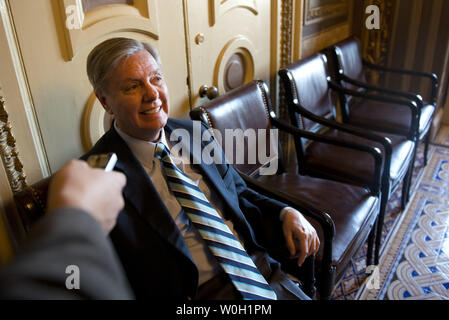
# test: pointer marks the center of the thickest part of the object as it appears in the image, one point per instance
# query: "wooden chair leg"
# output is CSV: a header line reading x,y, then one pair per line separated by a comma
x,y
409,185
426,146
379,227
309,282
369,252
327,283
404,190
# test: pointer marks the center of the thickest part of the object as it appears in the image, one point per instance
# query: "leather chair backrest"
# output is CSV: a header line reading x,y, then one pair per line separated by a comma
x,y
245,108
349,56
307,81
346,58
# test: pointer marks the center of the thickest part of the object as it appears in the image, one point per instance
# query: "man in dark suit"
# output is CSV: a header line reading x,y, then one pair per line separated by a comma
x,y
67,254
161,248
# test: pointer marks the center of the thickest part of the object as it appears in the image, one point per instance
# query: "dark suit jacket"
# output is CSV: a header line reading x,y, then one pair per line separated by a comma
x,y
152,250
60,239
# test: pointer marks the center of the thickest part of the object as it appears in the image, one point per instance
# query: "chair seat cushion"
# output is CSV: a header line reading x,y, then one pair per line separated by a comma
x,y
387,117
349,165
425,122
353,210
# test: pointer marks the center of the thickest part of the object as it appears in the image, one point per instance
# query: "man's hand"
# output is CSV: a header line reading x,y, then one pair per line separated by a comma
x,y
99,193
301,237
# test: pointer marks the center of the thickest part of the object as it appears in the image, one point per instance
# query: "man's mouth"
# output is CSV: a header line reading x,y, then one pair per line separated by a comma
x,y
152,111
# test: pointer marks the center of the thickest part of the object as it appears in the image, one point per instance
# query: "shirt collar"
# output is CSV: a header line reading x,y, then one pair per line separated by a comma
x,y
142,149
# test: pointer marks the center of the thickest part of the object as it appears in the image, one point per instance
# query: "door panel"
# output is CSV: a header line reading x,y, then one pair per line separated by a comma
x,y
229,44
54,51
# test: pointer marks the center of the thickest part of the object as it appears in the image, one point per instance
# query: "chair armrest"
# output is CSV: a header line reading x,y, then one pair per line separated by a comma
x,y
432,76
323,219
414,109
384,141
357,131
415,97
374,152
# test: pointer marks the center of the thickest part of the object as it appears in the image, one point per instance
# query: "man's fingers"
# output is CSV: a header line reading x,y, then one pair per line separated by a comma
x,y
290,243
119,177
304,245
317,245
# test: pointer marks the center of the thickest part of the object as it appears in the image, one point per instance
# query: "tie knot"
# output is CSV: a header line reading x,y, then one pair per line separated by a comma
x,y
161,151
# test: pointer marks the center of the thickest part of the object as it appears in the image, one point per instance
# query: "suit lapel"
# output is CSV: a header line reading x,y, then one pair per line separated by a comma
x,y
142,194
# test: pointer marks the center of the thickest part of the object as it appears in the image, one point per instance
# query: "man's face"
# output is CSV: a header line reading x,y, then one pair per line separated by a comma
x,y
137,96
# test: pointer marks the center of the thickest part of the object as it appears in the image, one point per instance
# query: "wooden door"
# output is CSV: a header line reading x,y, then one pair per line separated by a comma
x,y
228,44
55,38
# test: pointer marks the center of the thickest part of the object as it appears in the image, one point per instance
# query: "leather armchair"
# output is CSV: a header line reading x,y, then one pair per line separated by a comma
x,y
309,92
345,214
350,71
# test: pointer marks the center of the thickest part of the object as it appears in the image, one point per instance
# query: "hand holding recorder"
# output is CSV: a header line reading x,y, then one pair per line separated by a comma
x,y
92,189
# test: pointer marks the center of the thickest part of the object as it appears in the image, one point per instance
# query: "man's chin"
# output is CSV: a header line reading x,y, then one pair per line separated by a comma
x,y
153,134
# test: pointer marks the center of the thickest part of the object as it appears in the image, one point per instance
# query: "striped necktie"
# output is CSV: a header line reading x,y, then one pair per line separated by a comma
x,y
221,241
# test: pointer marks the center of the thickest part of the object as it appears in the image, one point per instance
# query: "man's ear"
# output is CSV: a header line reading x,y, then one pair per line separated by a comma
x,y
102,98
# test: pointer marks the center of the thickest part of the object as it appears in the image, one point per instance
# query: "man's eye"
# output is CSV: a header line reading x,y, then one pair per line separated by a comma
x,y
131,88
157,79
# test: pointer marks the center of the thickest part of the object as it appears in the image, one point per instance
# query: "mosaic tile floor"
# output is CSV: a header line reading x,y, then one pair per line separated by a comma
x,y
415,245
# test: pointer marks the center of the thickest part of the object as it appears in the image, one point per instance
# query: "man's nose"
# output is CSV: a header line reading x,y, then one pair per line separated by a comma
x,y
150,93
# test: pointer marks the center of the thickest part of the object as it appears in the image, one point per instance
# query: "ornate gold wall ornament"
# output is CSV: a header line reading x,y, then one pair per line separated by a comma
x,y
285,58
376,43
9,153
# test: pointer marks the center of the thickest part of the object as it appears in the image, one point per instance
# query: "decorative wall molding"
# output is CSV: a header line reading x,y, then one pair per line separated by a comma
x,y
245,48
220,7
24,111
9,152
286,32
324,39
316,12
95,122
81,29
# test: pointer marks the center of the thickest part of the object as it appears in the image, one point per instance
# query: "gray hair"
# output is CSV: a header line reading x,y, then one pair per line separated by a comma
x,y
105,57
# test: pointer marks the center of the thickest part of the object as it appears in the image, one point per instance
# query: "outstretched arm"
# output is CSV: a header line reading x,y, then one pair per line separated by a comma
x,y
67,254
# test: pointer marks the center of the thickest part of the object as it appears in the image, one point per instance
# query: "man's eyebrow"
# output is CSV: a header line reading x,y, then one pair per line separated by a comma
x,y
158,71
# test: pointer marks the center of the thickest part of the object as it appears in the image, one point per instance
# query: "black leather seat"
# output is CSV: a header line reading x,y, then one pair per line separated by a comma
x,y
353,209
311,107
350,71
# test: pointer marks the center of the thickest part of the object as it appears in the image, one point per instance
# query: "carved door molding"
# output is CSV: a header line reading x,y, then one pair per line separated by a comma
x,y
140,17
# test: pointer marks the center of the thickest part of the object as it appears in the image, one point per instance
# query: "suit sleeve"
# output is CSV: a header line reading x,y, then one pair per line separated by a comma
x,y
62,241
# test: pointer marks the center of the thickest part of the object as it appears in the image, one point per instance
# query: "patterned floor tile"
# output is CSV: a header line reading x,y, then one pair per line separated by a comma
x,y
415,262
